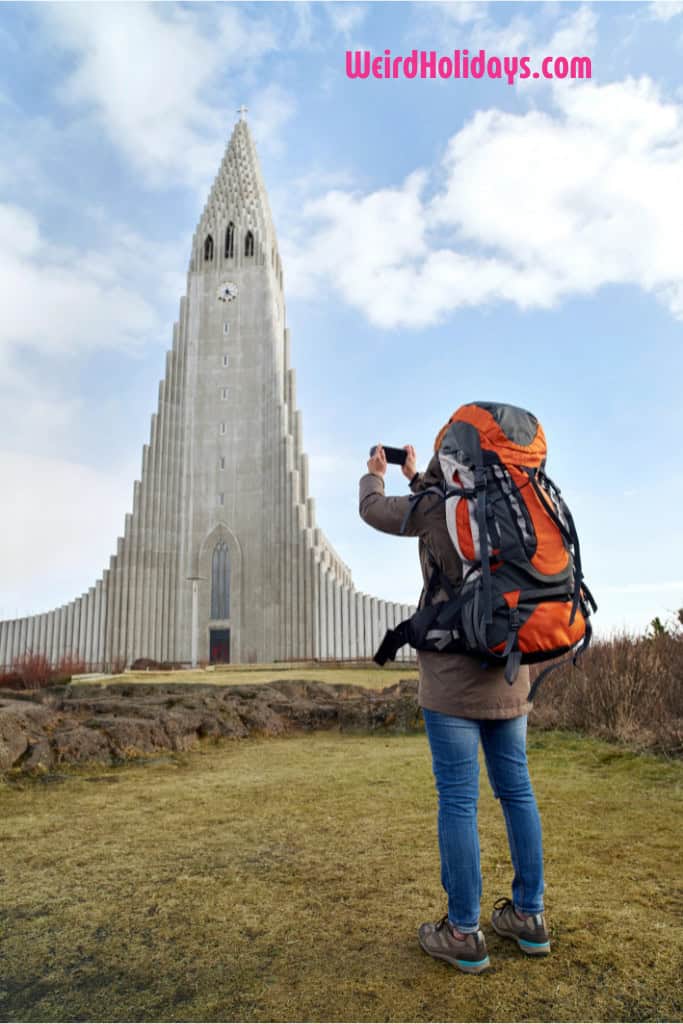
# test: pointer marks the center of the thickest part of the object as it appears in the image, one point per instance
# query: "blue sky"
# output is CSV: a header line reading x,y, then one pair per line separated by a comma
x,y
442,241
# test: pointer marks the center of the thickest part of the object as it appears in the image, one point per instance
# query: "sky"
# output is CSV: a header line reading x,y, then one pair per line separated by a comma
x,y
443,241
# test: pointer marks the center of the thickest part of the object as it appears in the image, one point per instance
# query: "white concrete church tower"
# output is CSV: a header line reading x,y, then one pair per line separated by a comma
x,y
221,558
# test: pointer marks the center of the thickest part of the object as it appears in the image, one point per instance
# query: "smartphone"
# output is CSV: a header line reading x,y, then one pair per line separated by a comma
x,y
397,456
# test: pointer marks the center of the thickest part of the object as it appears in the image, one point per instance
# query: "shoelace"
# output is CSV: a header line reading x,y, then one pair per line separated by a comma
x,y
443,924
502,903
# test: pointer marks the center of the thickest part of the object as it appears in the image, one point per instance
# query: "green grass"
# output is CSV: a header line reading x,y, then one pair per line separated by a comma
x,y
284,880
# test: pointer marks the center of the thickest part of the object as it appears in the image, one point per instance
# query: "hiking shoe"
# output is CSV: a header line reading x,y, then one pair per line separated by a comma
x,y
529,932
469,954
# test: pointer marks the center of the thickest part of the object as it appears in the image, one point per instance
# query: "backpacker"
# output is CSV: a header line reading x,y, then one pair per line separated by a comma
x,y
523,598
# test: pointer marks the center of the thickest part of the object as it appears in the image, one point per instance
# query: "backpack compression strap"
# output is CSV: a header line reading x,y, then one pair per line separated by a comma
x,y
565,661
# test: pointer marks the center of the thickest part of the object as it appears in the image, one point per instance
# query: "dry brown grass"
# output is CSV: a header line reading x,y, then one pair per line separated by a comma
x,y
628,689
284,880
364,674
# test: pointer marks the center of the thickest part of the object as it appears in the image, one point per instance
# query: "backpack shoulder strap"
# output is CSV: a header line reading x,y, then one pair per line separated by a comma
x,y
442,492
415,500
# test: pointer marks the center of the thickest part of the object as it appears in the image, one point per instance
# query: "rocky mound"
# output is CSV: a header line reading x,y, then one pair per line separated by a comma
x,y
111,723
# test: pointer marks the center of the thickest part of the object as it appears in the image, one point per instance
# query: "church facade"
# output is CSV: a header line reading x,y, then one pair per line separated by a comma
x,y
221,558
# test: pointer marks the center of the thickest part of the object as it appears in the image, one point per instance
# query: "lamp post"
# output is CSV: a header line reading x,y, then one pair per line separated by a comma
x,y
194,580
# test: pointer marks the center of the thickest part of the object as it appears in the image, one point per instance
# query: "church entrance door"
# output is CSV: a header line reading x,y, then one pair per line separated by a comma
x,y
219,646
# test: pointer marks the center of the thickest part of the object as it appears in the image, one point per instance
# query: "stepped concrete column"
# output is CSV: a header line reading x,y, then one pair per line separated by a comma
x,y
88,627
353,624
4,642
322,576
338,648
70,629
29,635
97,655
367,625
50,639
104,615
330,615
345,624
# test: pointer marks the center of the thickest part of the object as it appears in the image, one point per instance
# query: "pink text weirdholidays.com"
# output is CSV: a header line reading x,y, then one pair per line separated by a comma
x,y
462,64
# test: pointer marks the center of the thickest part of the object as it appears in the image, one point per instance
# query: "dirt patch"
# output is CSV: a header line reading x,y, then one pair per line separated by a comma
x,y
40,730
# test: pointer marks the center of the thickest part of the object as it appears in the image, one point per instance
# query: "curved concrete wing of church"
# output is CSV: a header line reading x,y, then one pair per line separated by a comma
x,y
221,558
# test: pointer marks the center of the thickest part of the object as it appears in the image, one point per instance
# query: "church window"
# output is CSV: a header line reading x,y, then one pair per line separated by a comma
x,y
208,248
222,428
249,244
221,499
225,360
226,327
220,582
221,464
224,394
230,241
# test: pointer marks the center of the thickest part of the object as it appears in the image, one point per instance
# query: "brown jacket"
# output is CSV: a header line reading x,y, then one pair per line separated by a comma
x,y
455,684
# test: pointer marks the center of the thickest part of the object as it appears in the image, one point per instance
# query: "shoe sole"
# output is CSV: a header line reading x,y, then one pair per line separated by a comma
x,y
468,966
526,945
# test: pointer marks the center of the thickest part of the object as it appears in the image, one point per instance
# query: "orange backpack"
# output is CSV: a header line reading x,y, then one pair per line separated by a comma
x,y
523,598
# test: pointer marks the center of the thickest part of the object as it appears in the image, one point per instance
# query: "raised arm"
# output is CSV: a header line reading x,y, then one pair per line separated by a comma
x,y
382,512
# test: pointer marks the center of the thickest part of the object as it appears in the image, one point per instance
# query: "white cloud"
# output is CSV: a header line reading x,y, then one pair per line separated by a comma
x,y
644,588
59,299
530,209
270,110
537,36
460,12
150,76
345,17
63,519
664,10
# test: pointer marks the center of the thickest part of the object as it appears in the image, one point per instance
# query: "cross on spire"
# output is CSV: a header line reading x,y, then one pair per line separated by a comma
x,y
242,111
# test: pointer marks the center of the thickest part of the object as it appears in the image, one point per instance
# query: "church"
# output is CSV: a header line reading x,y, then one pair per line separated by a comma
x,y
221,559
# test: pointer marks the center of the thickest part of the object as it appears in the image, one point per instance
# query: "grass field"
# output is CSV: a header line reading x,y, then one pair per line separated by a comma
x,y
284,880
365,674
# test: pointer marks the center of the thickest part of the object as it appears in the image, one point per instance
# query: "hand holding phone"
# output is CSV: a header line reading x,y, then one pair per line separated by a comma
x,y
397,456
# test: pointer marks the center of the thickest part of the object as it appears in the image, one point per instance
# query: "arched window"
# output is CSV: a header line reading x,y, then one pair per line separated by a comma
x,y
220,582
208,248
249,244
230,241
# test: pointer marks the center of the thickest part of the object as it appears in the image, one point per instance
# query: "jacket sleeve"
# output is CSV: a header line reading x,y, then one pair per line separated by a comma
x,y
385,513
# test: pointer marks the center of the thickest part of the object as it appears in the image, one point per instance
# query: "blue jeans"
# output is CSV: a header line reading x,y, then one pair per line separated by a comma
x,y
454,744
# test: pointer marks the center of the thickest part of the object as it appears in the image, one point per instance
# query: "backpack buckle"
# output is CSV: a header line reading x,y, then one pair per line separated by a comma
x,y
514,619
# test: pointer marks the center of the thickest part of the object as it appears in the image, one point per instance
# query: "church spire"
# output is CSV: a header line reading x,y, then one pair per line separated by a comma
x,y
238,197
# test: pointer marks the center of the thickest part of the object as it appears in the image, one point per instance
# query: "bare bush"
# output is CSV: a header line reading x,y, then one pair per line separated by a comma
x,y
627,688
34,670
70,665
11,681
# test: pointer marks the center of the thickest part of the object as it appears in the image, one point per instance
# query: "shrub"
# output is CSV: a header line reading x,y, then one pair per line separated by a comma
x,y
34,670
70,665
626,688
11,681
118,665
